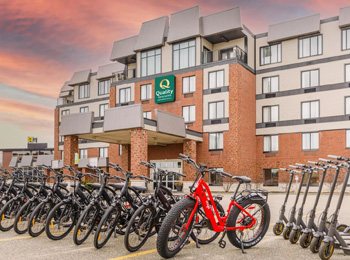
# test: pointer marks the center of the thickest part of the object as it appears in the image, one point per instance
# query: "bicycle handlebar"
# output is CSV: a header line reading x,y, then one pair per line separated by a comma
x,y
142,177
340,158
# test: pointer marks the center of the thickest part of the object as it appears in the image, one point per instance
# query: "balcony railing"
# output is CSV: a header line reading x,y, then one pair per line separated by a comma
x,y
125,74
224,54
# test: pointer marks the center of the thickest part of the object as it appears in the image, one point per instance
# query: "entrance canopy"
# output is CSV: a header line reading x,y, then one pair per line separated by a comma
x,y
118,123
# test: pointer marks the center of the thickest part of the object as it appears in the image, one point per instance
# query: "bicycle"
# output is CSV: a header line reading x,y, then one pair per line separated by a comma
x,y
248,211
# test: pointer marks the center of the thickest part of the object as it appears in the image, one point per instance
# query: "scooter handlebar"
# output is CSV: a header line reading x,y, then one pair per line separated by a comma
x,y
293,166
334,157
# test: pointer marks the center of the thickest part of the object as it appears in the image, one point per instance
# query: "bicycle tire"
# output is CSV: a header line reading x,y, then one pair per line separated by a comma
x,y
38,216
22,217
8,214
85,218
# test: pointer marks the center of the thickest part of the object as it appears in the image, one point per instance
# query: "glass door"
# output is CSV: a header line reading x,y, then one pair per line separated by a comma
x,y
170,165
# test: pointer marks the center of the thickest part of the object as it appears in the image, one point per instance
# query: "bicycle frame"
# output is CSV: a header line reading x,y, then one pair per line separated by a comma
x,y
201,194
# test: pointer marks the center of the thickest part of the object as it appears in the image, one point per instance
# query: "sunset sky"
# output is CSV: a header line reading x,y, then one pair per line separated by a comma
x,y
42,42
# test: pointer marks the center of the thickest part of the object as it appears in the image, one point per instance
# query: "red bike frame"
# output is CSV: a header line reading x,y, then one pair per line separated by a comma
x,y
201,194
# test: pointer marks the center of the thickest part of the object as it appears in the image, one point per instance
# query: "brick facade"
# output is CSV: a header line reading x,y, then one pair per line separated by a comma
x,y
190,149
138,151
70,148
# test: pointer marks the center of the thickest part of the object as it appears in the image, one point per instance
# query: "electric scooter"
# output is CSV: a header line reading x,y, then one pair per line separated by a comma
x,y
333,235
300,225
279,226
292,220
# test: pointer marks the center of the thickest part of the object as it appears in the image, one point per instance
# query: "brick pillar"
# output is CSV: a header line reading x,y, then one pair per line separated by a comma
x,y
113,153
138,151
71,146
125,158
190,149
112,96
57,152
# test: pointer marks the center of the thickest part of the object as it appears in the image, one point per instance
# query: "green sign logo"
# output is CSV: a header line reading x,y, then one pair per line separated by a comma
x,y
164,89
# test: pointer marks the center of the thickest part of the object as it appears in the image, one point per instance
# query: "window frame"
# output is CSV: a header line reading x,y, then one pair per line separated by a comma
x,y
216,77
124,89
155,66
189,114
99,109
216,141
345,78
99,93
143,114
346,139
263,121
217,176
269,77
270,141
103,149
65,110
189,86
223,112
195,54
311,149
347,30
80,153
146,85
88,91
269,46
309,37
84,108
309,71
311,101
271,185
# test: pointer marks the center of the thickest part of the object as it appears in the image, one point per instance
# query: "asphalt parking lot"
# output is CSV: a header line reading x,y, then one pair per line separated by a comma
x,y
13,246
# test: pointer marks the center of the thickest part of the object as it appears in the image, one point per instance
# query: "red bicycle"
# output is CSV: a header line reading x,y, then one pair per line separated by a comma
x,y
245,223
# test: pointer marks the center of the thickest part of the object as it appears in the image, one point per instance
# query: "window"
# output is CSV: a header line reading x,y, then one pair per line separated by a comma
x,y
147,114
347,105
83,153
346,39
103,107
215,179
270,177
103,87
84,91
310,78
216,110
188,84
189,113
124,95
270,84
216,79
65,112
184,54
310,109
270,143
347,138
84,109
120,150
216,141
270,114
270,54
347,73
150,62
310,46
310,141
146,92
103,152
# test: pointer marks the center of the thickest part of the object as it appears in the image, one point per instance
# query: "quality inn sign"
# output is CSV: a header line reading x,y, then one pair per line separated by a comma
x,y
164,89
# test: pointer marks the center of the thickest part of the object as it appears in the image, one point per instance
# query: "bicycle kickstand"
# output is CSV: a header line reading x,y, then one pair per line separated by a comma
x,y
197,244
242,246
222,242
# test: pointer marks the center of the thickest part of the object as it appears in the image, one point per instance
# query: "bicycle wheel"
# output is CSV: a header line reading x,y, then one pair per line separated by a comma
x,y
106,227
85,224
202,230
260,210
61,220
38,218
23,215
174,226
8,214
139,228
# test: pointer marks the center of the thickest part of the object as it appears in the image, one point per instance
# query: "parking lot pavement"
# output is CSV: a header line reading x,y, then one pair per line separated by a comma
x,y
13,246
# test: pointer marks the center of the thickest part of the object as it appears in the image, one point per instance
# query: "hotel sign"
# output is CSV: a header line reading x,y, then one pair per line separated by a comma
x,y
164,90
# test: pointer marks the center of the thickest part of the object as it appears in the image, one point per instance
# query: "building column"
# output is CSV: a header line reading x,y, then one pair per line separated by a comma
x,y
56,152
125,160
190,149
71,146
138,151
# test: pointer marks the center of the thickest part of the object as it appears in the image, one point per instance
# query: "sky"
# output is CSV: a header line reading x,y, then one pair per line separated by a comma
x,y
42,43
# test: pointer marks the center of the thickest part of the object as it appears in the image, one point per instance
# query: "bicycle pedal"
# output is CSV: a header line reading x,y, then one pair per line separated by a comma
x,y
222,244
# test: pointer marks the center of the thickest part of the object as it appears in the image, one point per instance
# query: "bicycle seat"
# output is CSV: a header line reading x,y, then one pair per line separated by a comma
x,y
139,189
218,197
202,165
34,184
116,186
243,179
94,186
63,184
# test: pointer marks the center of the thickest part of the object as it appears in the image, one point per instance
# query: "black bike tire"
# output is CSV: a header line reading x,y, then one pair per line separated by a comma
x,y
32,217
77,226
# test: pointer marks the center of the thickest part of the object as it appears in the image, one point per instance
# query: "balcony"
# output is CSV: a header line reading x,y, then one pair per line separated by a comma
x,y
125,74
65,100
224,54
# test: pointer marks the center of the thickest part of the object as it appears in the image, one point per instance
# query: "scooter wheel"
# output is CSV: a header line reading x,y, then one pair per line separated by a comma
x,y
315,244
278,229
294,236
305,240
286,232
326,250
